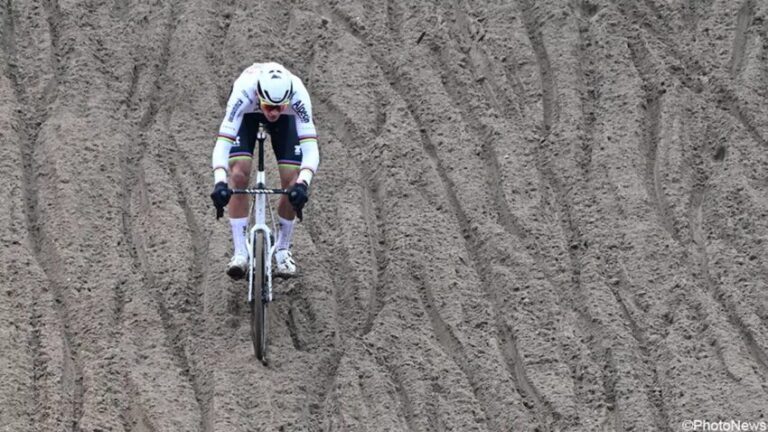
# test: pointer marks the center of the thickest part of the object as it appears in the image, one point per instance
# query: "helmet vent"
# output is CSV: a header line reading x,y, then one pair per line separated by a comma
x,y
274,86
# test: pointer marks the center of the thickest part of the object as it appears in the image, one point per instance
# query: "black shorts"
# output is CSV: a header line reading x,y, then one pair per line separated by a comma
x,y
282,133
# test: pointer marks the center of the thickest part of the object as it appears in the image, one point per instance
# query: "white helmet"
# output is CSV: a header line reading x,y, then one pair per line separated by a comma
x,y
274,86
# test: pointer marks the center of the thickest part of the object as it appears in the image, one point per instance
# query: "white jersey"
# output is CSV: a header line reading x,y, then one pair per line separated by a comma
x,y
244,99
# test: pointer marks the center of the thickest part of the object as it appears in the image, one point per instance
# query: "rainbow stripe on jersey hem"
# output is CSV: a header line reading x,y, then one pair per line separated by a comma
x,y
237,158
308,138
225,138
288,164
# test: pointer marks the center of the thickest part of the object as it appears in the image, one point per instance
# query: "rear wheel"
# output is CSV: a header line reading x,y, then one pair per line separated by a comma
x,y
257,284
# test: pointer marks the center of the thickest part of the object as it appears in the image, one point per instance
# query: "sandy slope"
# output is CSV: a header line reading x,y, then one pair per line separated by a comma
x,y
530,215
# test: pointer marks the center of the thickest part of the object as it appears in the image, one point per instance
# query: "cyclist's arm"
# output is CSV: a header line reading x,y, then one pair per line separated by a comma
x,y
239,103
305,128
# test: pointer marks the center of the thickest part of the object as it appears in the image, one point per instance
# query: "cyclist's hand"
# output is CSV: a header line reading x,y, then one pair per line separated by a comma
x,y
298,196
220,196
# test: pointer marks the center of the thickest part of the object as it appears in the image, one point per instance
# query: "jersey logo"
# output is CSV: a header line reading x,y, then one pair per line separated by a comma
x,y
236,107
245,93
301,111
297,150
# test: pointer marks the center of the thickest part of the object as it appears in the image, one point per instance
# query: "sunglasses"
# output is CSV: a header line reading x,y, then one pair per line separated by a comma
x,y
272,108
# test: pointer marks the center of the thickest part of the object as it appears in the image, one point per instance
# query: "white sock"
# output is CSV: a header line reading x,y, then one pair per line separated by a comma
x,y
285,234
239,226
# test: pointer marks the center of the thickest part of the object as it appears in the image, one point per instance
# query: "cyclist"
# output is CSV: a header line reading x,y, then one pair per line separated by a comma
x,y
265,93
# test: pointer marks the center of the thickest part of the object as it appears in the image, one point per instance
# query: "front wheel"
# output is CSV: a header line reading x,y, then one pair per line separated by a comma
x,y
257,281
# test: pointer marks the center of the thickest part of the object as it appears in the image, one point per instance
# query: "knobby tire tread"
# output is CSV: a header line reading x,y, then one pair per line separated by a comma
x,y
258,306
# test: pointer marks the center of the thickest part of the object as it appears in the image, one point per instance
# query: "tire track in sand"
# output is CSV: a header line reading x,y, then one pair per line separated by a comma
x,y
651,133
316,410
405,405
53,14
698,204
576,241
134,182
548,91
743,21
450,344
690,71
472,34
695,11
641,59
9,58
508,349
653,392
610,379
487,134
590,73
651,125
201,380
484,77
391,74
137,419
38,362
372,211
224,9
724,99
344,276
699,238
507,344
47,258
506,341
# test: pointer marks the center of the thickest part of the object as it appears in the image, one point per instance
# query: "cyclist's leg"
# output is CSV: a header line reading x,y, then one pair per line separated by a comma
x,y
288,176
240,168
285,144
240,158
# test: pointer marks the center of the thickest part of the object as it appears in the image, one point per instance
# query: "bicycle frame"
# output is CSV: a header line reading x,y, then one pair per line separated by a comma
x,y
259,227
259,212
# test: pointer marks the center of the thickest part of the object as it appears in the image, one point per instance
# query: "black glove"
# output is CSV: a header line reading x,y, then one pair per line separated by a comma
x,y
220,196
298,196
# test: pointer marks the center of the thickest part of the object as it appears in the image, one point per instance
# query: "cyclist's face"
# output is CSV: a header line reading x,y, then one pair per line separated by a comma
x,y
272,112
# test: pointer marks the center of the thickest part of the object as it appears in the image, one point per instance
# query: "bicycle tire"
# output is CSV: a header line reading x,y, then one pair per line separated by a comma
x,y
257,281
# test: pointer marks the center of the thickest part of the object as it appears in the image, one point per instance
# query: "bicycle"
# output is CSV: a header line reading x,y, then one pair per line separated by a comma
x,y
260,250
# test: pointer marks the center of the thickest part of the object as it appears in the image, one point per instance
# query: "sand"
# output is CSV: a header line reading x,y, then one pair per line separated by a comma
x,y
529,216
